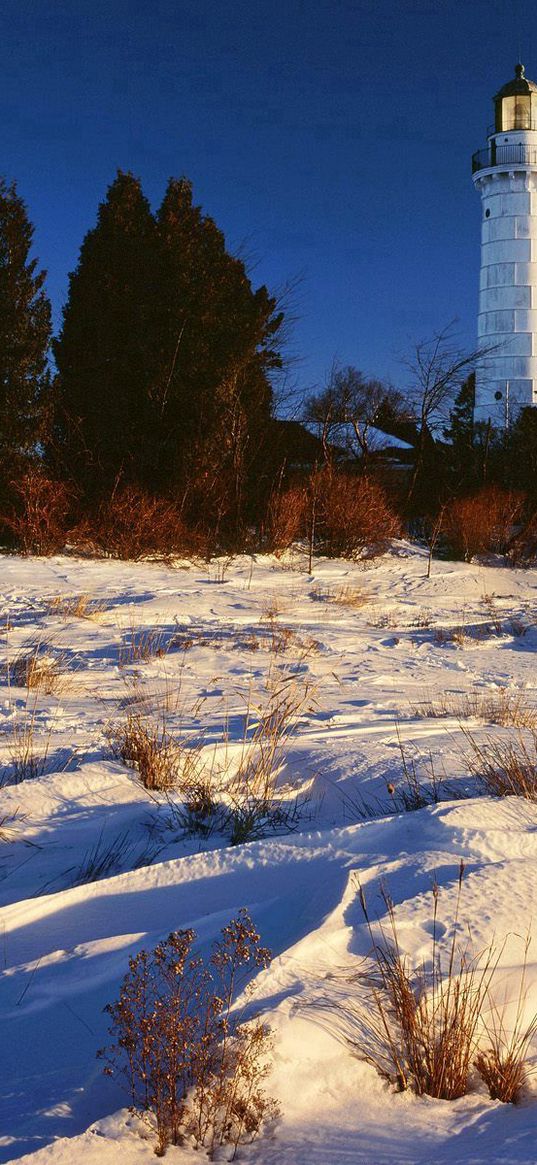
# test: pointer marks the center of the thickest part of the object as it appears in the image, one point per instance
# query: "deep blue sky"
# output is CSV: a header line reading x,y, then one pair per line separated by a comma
x,y
329,139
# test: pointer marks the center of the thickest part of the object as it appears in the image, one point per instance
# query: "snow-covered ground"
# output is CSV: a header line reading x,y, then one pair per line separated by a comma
x,y
370,651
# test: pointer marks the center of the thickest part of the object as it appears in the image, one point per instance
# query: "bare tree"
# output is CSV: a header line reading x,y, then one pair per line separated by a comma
x,y
438,370
349,411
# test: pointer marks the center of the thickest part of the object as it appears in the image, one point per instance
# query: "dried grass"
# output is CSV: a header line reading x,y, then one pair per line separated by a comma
x,y
503,1063
219,569
239,796
427,1028
109,856
255,805
76,606
10,826
37,669
273,607
384,619
508,709
28,760
422,1031
281,639
148,748
505,767
29,751
143,644
344,596
412,793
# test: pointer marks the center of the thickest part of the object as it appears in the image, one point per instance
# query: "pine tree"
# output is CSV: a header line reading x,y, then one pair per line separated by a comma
x,y
104,353
515,454
215,347
164,354
460,434
25,331
461,417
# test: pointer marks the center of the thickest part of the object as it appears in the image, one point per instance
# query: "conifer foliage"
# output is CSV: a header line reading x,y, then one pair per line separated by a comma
x,y
104,353
25,331
164,353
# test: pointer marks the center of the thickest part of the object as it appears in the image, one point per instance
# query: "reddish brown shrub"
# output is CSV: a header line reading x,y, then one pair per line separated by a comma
x,y
352,515
482,523
132,524
39,516
286,518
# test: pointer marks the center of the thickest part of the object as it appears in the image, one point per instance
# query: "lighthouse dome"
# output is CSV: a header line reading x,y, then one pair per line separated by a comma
x,y
516,104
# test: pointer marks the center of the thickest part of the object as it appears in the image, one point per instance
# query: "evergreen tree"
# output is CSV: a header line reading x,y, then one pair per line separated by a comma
x,y
25,331
461,417
517,454
164,354
216,338
460,434
104,353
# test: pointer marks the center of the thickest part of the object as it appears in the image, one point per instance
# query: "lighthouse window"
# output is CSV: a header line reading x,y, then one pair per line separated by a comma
x,y
487,214
516,112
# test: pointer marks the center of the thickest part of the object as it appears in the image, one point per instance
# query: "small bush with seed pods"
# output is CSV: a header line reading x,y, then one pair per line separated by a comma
x,y
193,1067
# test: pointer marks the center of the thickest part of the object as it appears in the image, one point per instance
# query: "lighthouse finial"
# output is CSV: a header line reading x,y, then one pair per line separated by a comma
x,y
520,71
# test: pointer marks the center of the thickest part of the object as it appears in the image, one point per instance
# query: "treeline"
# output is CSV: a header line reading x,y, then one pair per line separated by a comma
x,y
162,383
152,429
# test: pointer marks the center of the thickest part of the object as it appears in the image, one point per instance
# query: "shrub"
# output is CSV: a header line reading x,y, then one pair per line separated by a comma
x,y
353,515
286,519
188,1060
132,524
482,523
39,517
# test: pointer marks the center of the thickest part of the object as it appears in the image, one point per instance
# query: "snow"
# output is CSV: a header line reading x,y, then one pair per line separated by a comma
x,y
369,644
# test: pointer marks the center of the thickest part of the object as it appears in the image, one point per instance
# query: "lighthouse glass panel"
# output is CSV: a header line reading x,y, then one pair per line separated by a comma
x,y
516,112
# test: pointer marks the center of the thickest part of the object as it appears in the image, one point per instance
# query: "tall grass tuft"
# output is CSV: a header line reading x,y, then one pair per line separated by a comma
x,y
503,1062
254,803
502,707
76,606
148,748
423,1029
37,669
505,767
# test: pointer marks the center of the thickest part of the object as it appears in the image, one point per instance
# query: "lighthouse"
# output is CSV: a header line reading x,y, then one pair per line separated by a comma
x,y
505,174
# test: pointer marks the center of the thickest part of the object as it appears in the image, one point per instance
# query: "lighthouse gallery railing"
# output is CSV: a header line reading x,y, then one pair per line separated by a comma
x,y
496,155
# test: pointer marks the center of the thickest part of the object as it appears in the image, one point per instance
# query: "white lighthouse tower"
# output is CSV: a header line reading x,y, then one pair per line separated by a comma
x,y
505,173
